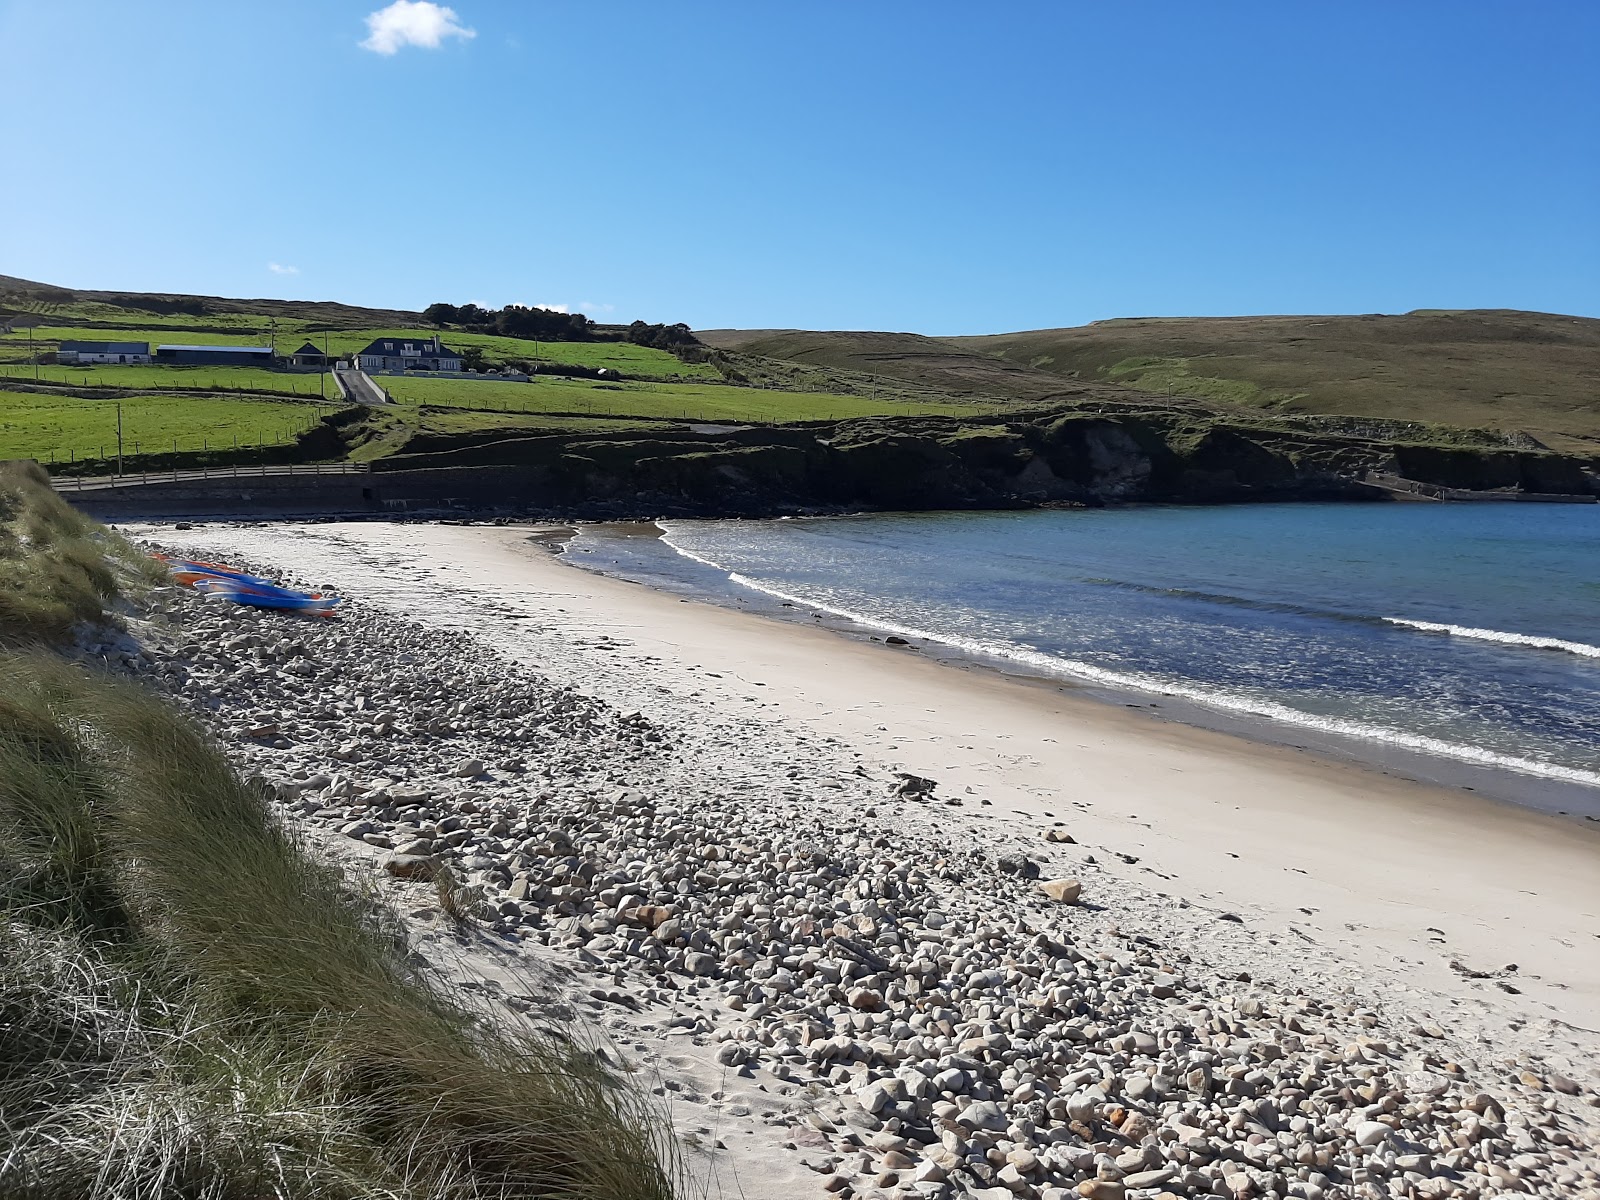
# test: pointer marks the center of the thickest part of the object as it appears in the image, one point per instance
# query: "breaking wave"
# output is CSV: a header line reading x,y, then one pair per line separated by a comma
x,y
1230,701
1527,640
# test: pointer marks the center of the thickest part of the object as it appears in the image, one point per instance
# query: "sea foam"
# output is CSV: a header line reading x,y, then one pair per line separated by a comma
x,y
1528,640
1054,665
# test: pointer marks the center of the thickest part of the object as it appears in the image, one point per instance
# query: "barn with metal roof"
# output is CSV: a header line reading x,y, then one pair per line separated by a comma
x,y
216,356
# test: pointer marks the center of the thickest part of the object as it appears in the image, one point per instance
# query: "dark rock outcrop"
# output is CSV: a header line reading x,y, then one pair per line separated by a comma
x,y
1052,456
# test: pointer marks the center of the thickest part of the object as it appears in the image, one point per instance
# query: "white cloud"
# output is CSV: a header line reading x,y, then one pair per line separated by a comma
x,y
560,308
280,269
412,23
595,306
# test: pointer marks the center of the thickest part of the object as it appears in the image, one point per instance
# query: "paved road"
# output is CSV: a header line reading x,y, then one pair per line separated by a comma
x,y
359,387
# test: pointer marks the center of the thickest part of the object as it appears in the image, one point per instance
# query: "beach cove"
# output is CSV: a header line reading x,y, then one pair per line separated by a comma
x,y
1464,926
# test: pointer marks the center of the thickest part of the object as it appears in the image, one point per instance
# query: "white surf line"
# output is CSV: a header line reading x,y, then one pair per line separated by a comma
x,y
1232,702
1528,640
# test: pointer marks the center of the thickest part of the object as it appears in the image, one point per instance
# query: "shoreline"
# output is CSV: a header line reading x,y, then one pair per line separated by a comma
x,y
1380,934
1255,827
1545,793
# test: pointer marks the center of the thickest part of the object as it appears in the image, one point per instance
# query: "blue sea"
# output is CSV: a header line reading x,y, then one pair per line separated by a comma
x,y
1463,633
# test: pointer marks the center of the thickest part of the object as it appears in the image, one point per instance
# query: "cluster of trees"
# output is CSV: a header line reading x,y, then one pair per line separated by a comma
x,y
513,321
662,337
516,321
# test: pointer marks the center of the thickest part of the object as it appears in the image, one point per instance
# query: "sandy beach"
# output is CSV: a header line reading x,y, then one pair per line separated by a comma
x,y
1457,921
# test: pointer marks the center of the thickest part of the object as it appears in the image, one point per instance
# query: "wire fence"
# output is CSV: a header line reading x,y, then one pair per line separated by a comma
x,y
98,454
89,483
317,383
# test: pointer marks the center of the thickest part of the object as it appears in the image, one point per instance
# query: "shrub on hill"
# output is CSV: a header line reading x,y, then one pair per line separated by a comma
x,y
662,337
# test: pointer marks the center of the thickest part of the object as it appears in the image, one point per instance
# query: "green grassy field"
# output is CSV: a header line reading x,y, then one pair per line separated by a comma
x,y
661,401
48,337
63,428
619,356
624,357
460,420
179,378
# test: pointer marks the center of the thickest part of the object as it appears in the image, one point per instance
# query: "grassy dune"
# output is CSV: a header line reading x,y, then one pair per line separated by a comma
x,y
191,1005
56,565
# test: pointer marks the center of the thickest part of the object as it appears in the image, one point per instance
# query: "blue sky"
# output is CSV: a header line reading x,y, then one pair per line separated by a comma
x,y
928,166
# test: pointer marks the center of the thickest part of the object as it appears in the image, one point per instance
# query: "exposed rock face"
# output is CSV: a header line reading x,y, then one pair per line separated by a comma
x,y
1051,456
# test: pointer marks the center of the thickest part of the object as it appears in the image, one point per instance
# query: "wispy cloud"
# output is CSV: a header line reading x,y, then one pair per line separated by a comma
x,y
413,23
280,269
594,306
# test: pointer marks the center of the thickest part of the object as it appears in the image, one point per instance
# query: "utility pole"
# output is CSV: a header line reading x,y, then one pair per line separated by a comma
x,y
119,439
322,377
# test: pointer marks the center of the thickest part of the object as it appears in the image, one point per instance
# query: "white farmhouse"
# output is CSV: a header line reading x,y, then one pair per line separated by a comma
x,y
103,352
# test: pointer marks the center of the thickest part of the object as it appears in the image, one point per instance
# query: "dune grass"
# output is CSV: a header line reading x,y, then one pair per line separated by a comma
x,y
55,563
193,1006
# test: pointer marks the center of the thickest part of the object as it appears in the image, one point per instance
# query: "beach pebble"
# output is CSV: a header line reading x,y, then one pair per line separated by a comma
x,y
415,867
1065,891
920,1012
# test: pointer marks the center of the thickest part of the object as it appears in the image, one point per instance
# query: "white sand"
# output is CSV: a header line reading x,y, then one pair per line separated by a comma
x,y
1329,864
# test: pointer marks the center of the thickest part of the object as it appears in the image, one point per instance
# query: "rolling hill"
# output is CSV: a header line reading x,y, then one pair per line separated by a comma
x,y
1503,370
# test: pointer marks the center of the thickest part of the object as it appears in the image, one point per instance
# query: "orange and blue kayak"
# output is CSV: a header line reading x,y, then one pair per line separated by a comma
x,y
268,596
243,588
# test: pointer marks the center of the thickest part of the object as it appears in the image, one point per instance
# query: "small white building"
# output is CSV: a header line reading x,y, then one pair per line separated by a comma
x,y
408,354
103,352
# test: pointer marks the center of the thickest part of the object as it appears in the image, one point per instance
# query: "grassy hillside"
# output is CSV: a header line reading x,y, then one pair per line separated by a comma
x,y
68,428
1505,371
43,315
1494,369
893,358
649,399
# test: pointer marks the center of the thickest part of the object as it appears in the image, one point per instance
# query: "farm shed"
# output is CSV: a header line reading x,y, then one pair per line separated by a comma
x,y
103,352
408,354
216,356
309,356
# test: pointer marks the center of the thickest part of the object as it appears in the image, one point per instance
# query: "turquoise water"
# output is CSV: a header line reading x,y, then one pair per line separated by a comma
x,y
1469,632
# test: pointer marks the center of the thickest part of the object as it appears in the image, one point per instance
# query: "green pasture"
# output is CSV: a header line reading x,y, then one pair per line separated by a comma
x,y
461,420
651,400
47,337
623,357
164,378
64,428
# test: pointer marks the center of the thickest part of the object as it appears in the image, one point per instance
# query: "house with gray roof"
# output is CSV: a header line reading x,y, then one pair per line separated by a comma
x,y
408,354
309,356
